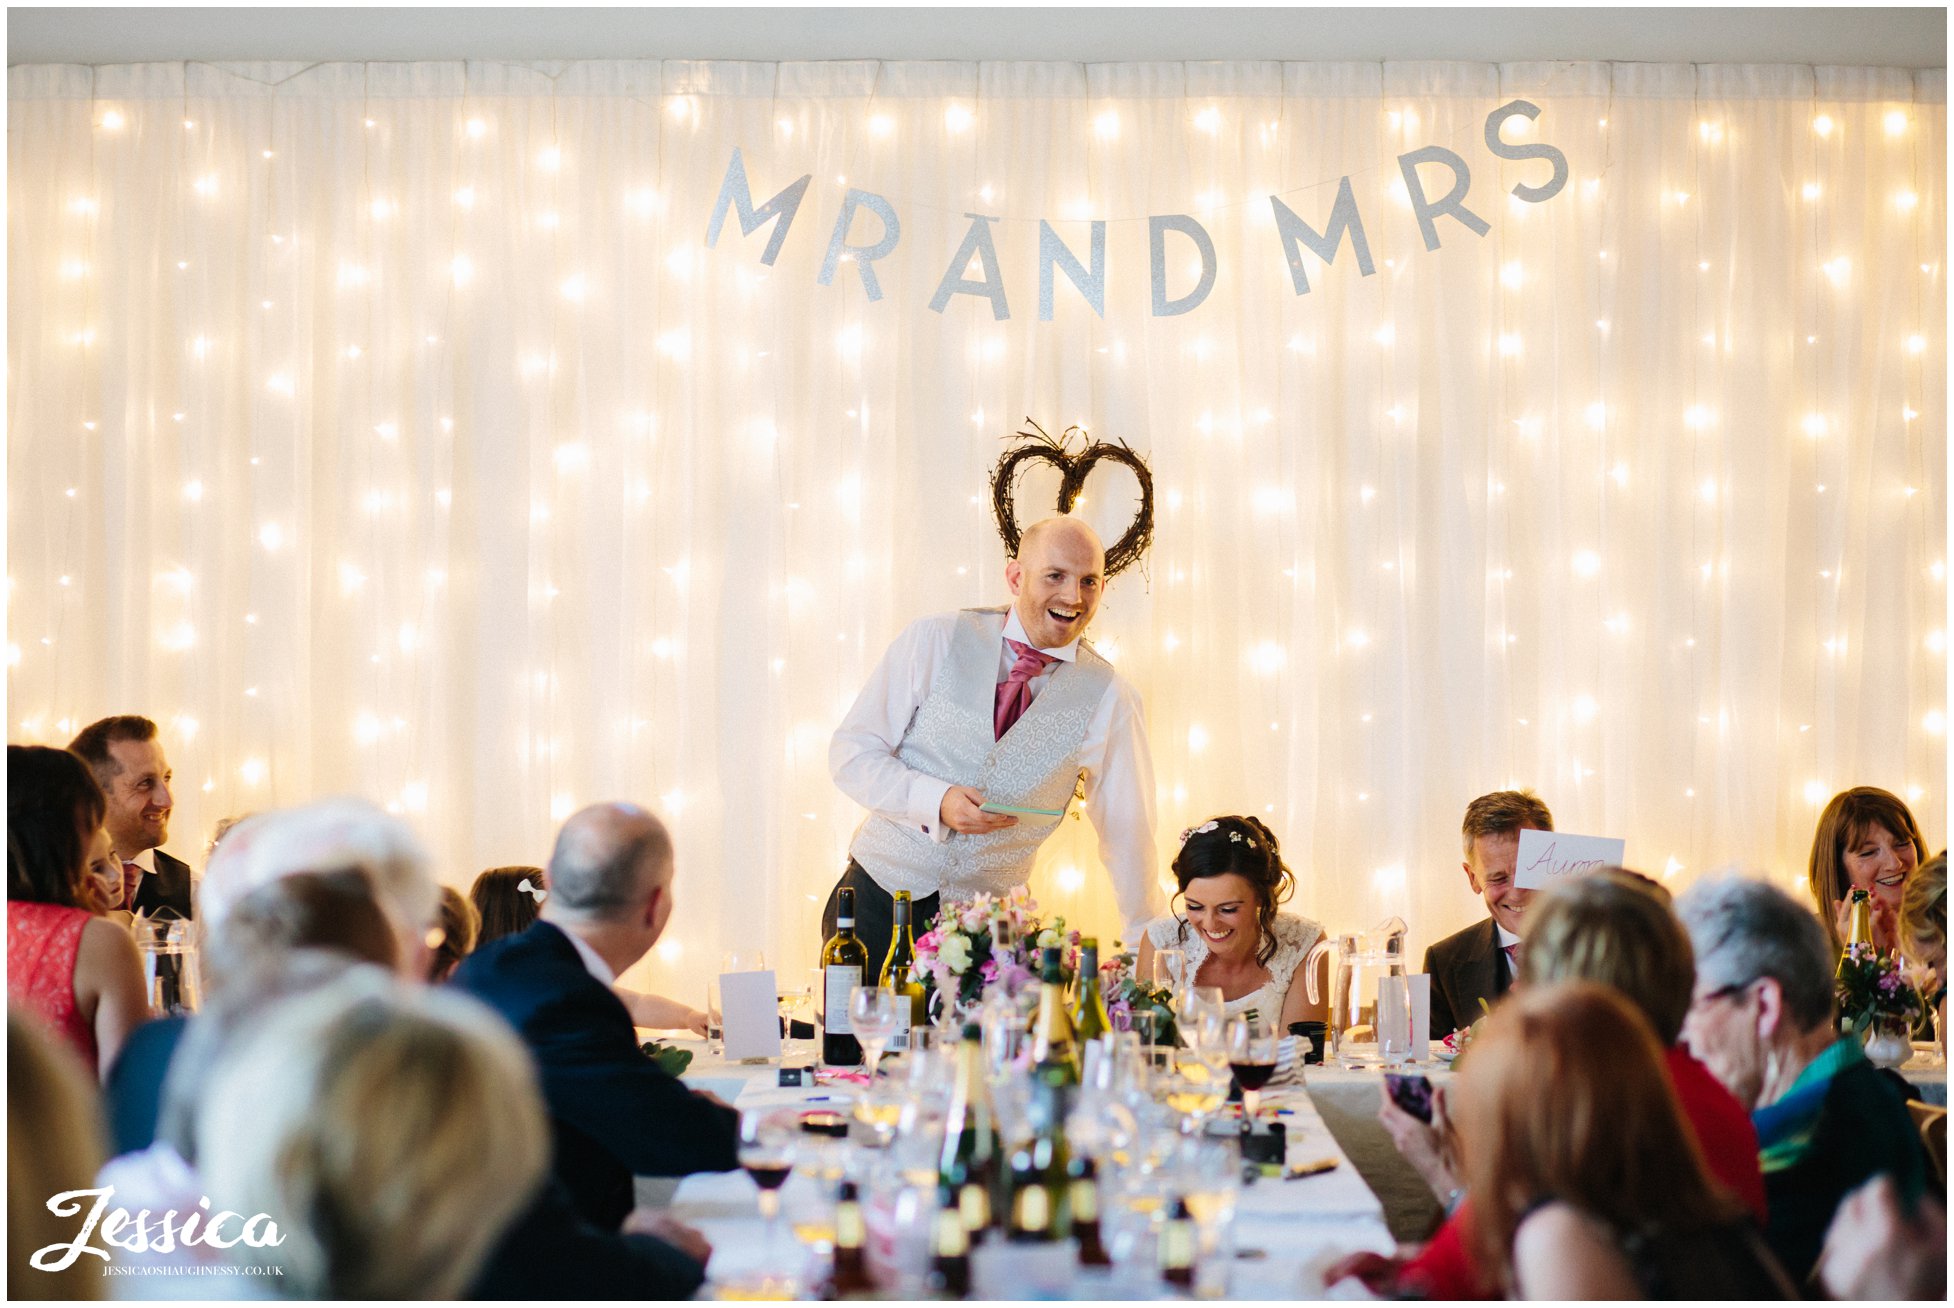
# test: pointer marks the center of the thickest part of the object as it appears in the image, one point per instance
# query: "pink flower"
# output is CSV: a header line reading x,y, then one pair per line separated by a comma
x,y
929,942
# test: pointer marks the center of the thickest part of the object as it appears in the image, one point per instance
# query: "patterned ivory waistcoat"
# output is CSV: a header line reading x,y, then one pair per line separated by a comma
x,y
1035,765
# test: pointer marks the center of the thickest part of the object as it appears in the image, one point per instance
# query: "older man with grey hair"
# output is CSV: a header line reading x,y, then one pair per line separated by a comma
x,y
615,1114
1761,1018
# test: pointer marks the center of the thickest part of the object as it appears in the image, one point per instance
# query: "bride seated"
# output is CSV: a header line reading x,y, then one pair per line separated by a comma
x,y
1232,880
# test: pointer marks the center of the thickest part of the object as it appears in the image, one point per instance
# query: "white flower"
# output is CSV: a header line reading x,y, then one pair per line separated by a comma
x,y
954,950
1048,939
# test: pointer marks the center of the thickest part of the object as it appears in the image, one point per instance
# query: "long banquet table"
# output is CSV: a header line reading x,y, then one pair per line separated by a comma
x,y
1341,1104
1290,1231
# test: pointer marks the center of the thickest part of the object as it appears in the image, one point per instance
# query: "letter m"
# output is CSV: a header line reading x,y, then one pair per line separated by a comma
x,y
1296,233
733,194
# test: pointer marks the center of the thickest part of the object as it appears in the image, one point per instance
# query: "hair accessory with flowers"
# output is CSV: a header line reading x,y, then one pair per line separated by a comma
x,y
1201,830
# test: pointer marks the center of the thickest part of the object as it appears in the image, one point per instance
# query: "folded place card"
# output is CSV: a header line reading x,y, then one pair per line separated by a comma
x,y
1550,856
1421,1013
750,1012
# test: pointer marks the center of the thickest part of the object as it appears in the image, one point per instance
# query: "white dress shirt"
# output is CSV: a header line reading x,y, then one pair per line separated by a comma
x,y
1118,766
593,962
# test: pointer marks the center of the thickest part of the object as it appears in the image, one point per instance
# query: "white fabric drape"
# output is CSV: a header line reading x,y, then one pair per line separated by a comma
x,y
389,429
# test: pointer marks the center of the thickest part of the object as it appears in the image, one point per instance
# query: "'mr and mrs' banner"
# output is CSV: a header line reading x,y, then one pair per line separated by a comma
x,y
1430,198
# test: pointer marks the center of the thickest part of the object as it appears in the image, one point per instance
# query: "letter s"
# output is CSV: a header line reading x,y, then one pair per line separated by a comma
x,y
1531,194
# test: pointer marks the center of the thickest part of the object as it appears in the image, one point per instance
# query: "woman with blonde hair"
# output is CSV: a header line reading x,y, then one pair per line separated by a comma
x,y
1923,927
54,1144
391,1132
1866,840
1587,1181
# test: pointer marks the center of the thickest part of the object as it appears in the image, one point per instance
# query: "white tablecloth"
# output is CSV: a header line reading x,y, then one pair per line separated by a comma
x,y
1299,1226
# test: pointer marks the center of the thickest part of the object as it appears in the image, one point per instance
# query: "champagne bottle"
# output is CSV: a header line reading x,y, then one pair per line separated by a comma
x,y
1177,1244
1089,1020
844,962
1858,930
850,1279
949,1274
899,975
1040,1186
1085,1215
972,1164
1055,1052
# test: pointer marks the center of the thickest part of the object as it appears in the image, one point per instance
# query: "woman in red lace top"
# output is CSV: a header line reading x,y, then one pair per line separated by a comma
x,y
77,972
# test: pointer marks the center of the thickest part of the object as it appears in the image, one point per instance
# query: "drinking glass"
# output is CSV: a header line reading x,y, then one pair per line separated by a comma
x,y
1252,1058
872,1013
715,1027
880,1107
1208,1042
743,960
796,1000
1194,1093
1167,967
1394,1020
1194,1002
766,1151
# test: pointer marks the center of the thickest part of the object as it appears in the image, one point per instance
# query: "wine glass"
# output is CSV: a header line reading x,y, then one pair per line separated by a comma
x,y
1195,1002
766,1151
1194,1093
872,1014
1252,1058
797,999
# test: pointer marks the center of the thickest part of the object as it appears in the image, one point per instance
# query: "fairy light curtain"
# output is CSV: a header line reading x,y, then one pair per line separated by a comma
x,y
391,429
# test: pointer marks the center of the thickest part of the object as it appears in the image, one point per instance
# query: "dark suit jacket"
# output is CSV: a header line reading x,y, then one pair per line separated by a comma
x,y
613,1113
1466,967
167,887
549,1254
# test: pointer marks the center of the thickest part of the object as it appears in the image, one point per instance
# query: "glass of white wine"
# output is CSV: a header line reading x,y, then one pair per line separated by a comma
x,y
1196,1094
872,1014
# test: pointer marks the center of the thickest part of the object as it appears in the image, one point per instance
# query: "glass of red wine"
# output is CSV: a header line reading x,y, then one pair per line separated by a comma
x,y
767,1153
1252,1057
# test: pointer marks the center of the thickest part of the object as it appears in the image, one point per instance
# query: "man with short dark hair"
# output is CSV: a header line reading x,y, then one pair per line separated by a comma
x,y
127,760
1479,963
614,1114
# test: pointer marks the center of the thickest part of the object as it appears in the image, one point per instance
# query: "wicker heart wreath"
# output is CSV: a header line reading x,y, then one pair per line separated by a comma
x,y
1073,469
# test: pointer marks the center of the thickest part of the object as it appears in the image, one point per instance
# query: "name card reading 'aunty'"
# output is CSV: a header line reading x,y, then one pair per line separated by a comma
x,y
1550,856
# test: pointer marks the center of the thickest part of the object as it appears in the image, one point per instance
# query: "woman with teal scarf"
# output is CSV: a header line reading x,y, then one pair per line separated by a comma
x,y
1761,1019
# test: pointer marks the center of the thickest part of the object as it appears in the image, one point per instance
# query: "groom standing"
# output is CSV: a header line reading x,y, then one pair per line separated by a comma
x,y
1001,706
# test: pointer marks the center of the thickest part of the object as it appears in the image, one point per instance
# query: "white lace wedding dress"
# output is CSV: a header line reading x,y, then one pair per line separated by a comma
x,y
1294,938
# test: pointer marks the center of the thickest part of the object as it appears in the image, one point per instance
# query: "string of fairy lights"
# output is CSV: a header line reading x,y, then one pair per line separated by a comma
x,y
360,542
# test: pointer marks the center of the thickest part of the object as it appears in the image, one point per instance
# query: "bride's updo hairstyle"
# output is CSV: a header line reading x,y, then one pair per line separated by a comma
x,y
1247,848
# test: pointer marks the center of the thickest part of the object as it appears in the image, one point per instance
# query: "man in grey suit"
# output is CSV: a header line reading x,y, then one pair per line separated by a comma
x,y
127,760
1480,962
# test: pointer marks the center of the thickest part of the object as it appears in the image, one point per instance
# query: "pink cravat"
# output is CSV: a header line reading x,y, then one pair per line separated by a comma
x,y
1512,960
1014,692
131,882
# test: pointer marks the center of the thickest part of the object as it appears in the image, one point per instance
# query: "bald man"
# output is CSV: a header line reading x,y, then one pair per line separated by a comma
x,y
1006,706
614,1114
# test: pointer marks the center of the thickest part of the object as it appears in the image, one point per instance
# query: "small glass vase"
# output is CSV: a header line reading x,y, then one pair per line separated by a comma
x,y
1889,1045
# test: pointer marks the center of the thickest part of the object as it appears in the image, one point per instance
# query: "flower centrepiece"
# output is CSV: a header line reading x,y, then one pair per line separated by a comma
x,y
1874,993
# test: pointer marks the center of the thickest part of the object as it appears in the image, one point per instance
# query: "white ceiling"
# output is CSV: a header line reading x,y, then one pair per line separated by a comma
x,y
1909,37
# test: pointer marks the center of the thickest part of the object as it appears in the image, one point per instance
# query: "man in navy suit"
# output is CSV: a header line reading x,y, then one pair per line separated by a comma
x,y
1480,962
127,759
615,1115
